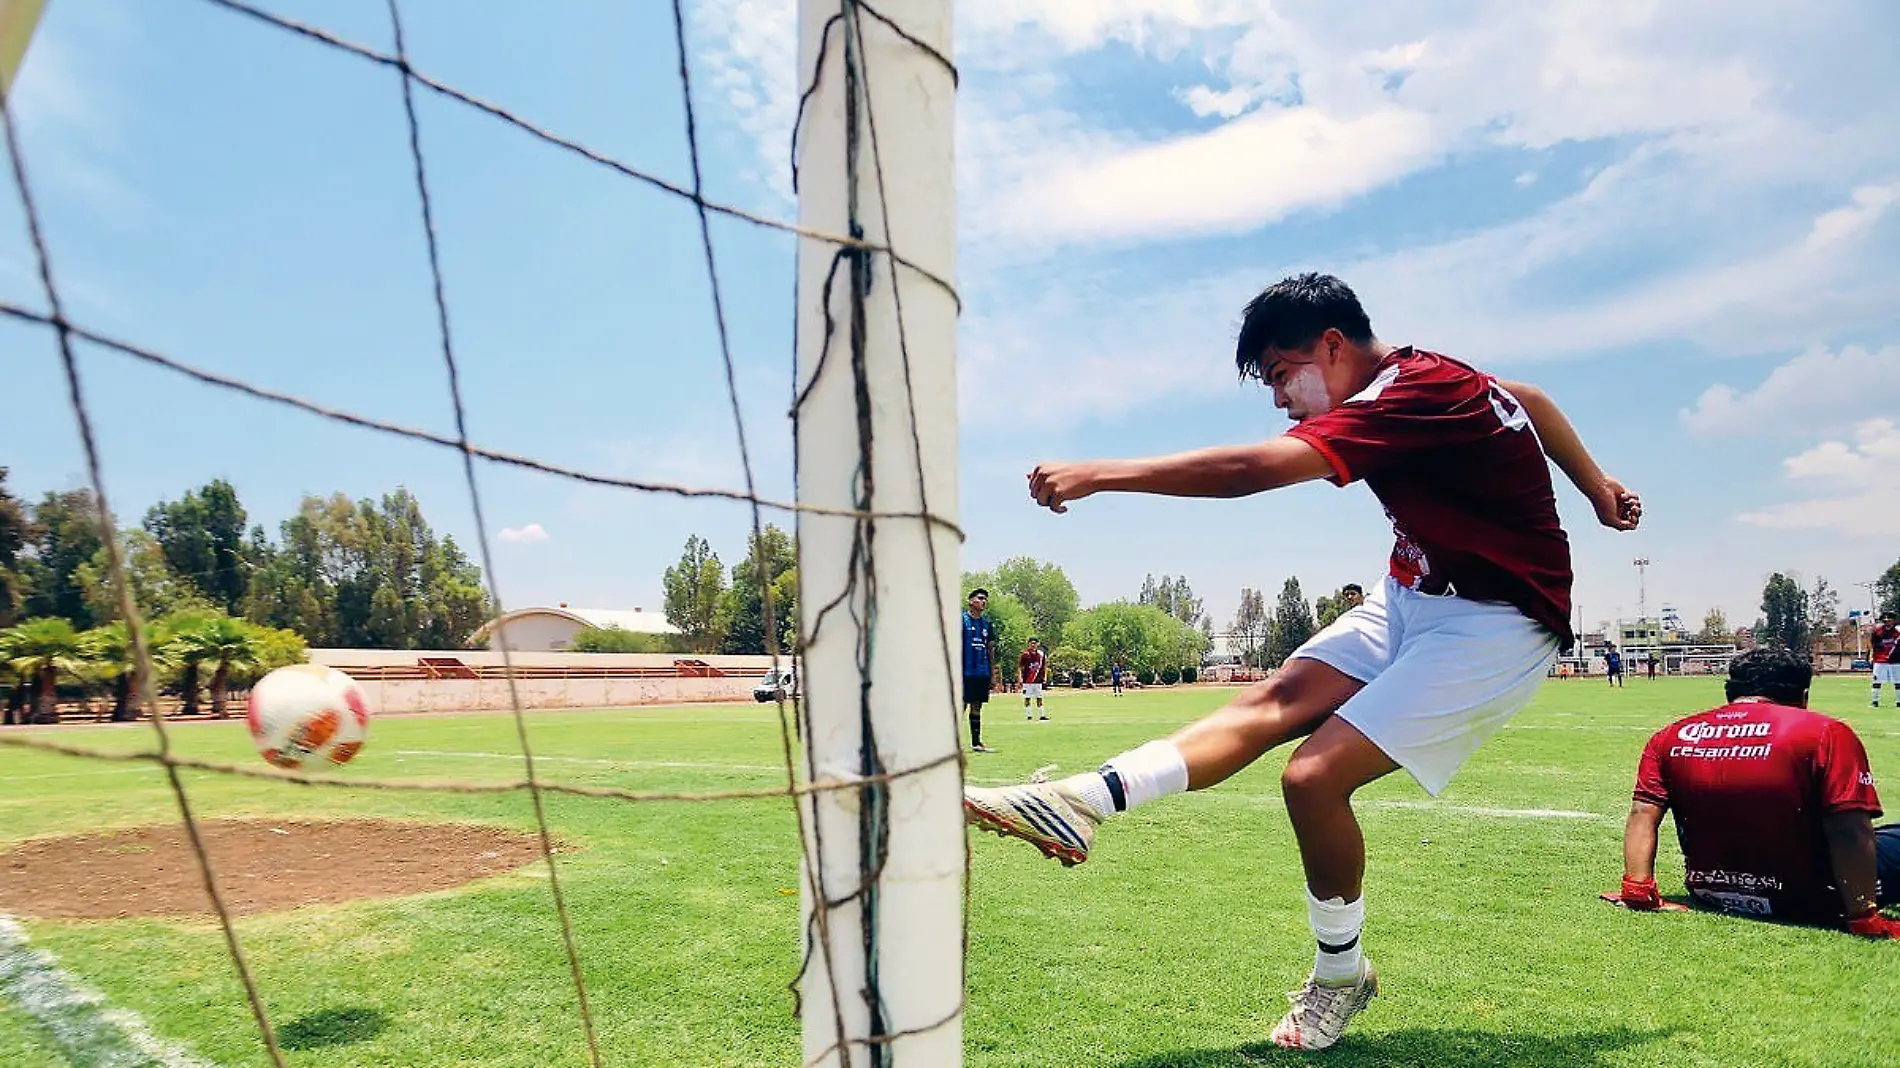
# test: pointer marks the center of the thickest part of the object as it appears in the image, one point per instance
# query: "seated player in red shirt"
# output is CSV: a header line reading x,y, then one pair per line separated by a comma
x,y
1457,639
1774,808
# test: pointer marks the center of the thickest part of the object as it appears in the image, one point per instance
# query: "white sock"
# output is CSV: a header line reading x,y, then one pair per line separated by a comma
x,y
1336,924
1143,774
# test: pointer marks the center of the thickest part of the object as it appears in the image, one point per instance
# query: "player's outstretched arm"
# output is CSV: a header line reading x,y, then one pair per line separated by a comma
x,y
1850,846
1639,856
1221,471
1616,507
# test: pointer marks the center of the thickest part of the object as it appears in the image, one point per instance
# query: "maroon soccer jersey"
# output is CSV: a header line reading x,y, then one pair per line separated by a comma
x,y
1749,783
1454,459
1030,664
1886,644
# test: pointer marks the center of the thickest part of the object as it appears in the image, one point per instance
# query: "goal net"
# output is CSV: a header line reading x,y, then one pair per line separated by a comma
x,y
871,747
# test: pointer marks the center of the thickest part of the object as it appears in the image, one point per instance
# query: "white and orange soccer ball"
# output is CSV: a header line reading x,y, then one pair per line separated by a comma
x,y
308,716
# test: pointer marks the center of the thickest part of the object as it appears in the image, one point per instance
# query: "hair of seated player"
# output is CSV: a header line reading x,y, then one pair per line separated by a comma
x,y
1777,674
1292,313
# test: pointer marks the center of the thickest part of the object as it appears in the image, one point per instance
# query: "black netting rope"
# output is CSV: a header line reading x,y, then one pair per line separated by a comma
x,y
569,945
873,778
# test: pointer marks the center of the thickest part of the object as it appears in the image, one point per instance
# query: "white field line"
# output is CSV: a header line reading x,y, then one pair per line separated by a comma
x,y
88,1031
84,774
538,758
1418,806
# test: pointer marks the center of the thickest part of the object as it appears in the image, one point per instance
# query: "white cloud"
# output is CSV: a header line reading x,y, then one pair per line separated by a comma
x,y
527,535
1252,170
1846,385
1748,195
1865,476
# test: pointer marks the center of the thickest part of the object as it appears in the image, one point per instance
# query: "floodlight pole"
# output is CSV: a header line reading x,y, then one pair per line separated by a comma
x,y
876,430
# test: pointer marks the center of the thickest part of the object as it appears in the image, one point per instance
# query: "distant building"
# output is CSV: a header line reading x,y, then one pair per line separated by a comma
x,y
553,629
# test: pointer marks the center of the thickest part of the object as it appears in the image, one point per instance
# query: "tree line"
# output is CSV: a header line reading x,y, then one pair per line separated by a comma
x,y
368,574
225,600
1163,633
1794,617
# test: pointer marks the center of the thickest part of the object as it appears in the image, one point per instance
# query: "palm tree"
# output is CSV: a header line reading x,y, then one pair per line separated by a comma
x,y
41,649
109,650
225,643
177,637
17,686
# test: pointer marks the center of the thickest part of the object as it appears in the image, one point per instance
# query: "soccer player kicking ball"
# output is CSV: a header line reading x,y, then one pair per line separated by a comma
x,y
1454,641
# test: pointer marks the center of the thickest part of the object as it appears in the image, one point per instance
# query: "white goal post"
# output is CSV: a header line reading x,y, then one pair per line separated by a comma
x,y
877,602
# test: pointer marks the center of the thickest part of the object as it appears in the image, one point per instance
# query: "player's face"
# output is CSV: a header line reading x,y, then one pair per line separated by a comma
x,y
978,602
1304,381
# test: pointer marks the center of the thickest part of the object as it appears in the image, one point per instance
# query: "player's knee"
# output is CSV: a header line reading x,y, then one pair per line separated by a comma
x,y
1307,776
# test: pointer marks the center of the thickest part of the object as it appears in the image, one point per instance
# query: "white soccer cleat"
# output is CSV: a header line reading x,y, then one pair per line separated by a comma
x,y
1048,815
1319,1013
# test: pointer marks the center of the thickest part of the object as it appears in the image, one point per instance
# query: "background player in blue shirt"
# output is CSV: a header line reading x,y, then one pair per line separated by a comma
x,y
979,659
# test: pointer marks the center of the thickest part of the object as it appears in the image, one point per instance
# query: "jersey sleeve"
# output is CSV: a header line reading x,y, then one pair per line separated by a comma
x,y
1650,785
1405,410
1847,783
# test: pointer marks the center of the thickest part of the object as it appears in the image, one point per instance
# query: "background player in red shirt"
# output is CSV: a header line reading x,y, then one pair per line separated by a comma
x,y
1886,656
1454,641
1774,808
1032,667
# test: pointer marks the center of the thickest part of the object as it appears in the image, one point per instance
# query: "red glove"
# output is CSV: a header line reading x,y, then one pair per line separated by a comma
x,y
1873,925
1641,894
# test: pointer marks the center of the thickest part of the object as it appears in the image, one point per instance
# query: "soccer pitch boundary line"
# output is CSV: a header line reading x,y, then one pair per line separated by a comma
x,y
87,1030
598,761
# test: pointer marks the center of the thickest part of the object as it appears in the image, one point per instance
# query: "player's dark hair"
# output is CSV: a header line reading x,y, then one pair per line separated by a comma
x,y
1780,675
1353,586
1293,312
978,592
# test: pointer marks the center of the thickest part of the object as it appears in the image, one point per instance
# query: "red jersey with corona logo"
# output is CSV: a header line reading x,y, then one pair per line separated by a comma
x,y
1749,783
1887,644
1453,458
1031,664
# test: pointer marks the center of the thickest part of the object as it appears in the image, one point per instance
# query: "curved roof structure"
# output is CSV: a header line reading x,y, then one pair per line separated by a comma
x,y
635,620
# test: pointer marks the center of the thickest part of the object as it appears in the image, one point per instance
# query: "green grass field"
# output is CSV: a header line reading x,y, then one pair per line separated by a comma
x,y
1171,947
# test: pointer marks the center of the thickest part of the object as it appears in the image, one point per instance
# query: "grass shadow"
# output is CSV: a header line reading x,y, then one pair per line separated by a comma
x,y
1419,1048
332,1027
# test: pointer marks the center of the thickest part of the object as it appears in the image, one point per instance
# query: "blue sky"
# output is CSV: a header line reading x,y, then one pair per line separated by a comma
x,y
1681,220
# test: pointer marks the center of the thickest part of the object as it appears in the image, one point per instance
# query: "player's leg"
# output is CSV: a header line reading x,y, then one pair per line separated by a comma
x,y
1318,785
1060,818
976,692
1463,670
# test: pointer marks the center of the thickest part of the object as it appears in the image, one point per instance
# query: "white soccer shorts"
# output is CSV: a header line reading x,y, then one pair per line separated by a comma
x,y
1442,674
1887,673
1032,689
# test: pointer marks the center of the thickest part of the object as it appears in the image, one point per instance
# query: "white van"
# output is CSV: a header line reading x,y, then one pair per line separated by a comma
x,y
777,685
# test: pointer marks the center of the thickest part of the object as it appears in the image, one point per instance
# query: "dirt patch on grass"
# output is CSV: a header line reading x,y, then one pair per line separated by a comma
x,y
262,866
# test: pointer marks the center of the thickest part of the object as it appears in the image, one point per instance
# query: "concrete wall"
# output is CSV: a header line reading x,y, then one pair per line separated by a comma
x,y
468,695
445,695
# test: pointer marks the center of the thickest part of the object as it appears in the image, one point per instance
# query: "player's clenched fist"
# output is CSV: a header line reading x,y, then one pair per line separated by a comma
x,y
1616,507
1053,485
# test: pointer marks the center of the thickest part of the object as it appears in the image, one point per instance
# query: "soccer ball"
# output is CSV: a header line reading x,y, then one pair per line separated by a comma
x,y
306,715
